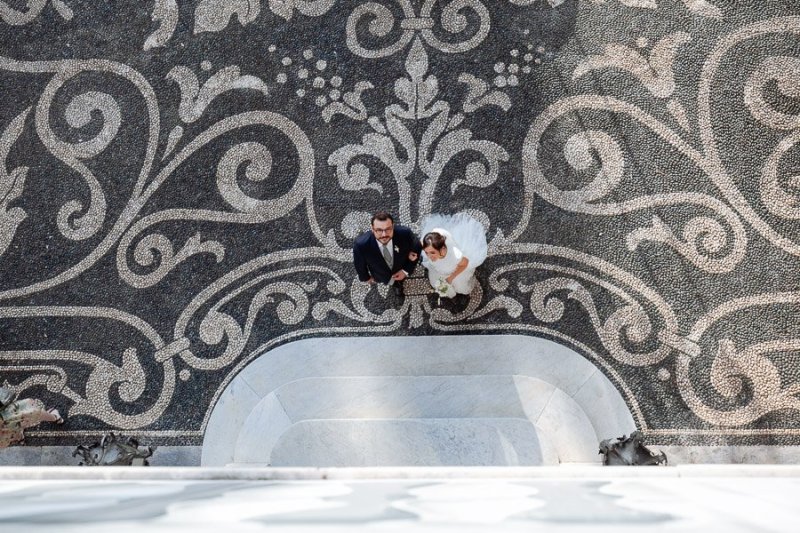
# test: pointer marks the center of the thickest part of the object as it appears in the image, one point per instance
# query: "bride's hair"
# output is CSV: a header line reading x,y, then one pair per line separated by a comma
x,y
434,239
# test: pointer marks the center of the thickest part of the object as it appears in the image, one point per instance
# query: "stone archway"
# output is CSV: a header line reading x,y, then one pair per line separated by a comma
x,y
498,400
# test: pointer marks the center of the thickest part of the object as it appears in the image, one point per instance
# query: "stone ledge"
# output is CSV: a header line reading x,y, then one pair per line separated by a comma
x,y
565,471
61,456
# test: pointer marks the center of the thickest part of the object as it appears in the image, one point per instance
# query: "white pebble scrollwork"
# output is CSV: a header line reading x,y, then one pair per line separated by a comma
x,y
259,166
777,195
453,20
17,17
780,196
12,182
100,113
72,223
714,244
257,159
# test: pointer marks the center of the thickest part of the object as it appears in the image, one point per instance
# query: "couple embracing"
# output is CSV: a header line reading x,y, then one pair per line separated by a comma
x,y
452,247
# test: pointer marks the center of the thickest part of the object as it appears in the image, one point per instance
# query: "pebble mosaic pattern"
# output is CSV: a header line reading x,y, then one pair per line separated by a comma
x,y
180,184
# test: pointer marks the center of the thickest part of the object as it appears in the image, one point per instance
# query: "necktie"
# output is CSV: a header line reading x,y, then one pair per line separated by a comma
x,y
388,256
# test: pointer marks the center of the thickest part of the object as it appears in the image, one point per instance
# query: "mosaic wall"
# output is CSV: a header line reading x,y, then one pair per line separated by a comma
x,y
180,185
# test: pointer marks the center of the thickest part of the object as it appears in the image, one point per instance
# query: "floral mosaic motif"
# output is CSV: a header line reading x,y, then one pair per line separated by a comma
x,y
442,139
195,99
215,15
415,25
199,208
654,72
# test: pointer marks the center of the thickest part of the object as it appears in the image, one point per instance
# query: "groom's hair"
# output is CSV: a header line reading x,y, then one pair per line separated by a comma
x,y
381,215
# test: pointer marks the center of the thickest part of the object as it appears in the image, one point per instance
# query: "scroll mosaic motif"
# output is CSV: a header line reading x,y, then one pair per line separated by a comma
x,y
180,185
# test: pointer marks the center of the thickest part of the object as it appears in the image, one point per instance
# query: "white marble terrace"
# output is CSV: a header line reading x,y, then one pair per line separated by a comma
x,y
563,499
503,400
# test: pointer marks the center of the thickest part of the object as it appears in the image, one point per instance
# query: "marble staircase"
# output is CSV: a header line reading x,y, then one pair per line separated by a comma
x,y
502,400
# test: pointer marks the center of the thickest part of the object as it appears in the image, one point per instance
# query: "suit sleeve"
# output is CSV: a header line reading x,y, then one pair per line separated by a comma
x,y
360,262
416,246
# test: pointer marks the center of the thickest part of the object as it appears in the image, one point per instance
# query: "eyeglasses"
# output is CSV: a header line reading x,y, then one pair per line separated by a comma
x,y
382,230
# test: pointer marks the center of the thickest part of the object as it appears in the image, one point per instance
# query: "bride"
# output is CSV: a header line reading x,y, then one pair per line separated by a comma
x,y
453,246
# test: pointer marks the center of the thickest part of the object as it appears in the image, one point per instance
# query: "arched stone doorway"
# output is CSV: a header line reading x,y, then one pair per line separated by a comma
x,y
415,401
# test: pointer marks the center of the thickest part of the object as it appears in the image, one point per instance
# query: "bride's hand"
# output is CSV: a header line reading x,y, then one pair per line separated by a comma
x,y
449,279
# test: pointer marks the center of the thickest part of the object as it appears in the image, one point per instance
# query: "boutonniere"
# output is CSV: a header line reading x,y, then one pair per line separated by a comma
x,y
396,249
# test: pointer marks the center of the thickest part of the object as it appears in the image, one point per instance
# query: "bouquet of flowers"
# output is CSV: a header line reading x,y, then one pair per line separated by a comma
x,y
442,288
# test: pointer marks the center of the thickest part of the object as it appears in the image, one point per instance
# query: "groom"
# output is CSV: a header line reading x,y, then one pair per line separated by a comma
x,y
386,253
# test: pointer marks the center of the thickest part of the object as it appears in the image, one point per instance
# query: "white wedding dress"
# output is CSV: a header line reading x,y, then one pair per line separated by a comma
x,y
464,237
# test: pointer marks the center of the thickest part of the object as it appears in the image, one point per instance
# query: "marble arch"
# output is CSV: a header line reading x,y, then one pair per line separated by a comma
x,y
429,401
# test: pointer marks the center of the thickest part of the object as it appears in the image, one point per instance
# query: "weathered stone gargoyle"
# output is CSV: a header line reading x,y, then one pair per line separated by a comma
x,y
18,415
111,451
629,452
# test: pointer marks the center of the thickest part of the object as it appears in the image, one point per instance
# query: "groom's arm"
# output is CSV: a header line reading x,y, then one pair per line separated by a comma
x,y
415,246
360,262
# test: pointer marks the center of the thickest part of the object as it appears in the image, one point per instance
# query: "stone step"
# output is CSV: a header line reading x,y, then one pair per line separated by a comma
x,y
550,412
410,442
566,397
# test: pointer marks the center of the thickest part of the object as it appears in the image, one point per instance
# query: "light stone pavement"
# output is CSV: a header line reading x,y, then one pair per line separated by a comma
x,y
568,498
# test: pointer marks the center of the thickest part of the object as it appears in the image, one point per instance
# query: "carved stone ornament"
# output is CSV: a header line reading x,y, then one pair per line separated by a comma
x,y
111,451
629,451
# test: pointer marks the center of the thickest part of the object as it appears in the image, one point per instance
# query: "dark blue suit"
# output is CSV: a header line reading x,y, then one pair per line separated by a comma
x,y
370,263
